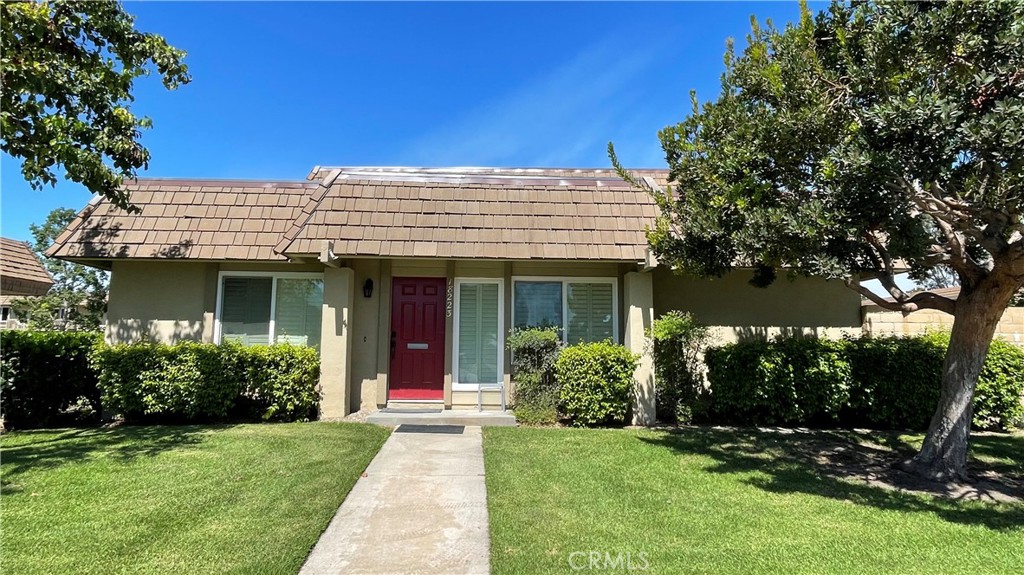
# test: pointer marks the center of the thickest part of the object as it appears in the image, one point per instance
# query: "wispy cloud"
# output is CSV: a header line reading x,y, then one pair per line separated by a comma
x,y
564,117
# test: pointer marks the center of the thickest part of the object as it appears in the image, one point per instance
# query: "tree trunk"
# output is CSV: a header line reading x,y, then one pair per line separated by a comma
x,y
943,456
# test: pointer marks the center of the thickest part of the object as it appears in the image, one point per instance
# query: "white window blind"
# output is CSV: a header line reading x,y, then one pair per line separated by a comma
x,y
589,309
298,310
256,309
245,312
478,333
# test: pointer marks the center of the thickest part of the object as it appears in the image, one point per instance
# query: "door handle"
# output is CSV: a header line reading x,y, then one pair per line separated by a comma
x,y
393,343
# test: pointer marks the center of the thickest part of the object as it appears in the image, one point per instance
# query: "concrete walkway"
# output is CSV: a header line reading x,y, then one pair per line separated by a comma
x,y
421,507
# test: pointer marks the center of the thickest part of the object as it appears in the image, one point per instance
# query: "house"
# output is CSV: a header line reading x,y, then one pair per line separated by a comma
x,y
407,279
21,275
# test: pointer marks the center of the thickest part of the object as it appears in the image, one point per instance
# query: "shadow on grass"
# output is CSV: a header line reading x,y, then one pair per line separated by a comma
x,y
124,443
847,466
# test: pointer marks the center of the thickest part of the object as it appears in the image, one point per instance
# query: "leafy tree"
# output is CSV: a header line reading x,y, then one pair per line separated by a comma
x,y
78,297
940,277
67,71
867,138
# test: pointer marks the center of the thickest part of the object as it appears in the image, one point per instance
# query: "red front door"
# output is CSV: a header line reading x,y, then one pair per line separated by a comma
x,y
417,339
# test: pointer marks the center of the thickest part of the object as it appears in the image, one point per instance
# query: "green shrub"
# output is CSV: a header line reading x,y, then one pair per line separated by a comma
x,y
881,383
206,382
46,379
534,351
596,382
678,340
789,382
281,382
898,382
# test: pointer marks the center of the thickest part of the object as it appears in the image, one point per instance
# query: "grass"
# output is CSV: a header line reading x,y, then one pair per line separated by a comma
x,y
730,501
176,499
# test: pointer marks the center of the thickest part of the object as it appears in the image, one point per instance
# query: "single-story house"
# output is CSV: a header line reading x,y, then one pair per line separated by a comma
x,y
408,279
21,275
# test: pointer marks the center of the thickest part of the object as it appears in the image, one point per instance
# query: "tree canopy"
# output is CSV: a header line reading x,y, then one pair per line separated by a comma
x,y
67,71
865,140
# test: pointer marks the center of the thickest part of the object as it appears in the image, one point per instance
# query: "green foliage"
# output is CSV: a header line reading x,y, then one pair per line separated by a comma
x,y
596,382
206,382
832,139
881,383
69,70
78,297
534,351
281,381
46,380
678,341
897,381
789,382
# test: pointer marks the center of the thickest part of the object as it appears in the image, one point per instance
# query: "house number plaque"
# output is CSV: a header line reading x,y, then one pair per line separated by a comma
x,y
450,300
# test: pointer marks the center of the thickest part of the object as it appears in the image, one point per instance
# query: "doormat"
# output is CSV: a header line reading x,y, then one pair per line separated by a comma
x,y
449,429
413,410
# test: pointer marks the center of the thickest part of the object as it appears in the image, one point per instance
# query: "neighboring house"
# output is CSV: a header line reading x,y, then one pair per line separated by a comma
x,y
21,275
407,279
879,322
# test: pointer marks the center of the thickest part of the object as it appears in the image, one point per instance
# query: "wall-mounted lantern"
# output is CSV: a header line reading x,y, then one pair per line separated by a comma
x,y
368,288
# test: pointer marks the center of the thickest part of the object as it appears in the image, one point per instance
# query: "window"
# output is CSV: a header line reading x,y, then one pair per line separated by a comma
x,y
478,332
5,313
262,309
584,309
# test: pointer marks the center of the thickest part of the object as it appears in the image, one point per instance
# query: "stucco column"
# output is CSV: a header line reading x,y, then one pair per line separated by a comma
x,y
336,342
639,299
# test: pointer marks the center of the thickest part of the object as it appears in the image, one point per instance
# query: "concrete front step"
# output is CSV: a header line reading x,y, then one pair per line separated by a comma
x,y
445,417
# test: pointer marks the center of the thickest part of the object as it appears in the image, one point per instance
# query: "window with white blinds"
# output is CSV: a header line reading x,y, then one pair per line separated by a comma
x,y
479,348
589,310
265,309
583,309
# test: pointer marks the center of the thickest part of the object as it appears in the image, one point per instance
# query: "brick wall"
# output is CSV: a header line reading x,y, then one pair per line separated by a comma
x,y
879,322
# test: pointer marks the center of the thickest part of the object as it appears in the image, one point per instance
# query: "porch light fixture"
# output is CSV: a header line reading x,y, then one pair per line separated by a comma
x,y
368,288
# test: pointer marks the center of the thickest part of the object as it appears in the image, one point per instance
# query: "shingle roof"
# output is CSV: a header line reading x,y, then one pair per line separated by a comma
x,y
492,214
187,219
21,272
495,213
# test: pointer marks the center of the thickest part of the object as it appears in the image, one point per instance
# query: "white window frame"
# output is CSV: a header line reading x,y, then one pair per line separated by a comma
x,y
500,282
218,327
565,281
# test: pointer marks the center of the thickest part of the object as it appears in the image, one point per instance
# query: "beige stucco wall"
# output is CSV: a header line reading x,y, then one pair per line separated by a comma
x,y
161,301
735,310
171,301
879,322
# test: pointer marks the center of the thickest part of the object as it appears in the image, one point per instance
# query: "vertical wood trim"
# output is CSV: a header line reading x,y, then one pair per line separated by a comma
x,y
449,330
383,332
507,325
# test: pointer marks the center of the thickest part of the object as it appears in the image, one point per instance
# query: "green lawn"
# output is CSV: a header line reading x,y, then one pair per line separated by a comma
x,y
175,499
718,501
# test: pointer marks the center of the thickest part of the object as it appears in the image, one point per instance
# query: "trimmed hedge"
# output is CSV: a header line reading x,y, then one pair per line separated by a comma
x,y
534,351
46,379
596,382
678,340
151,382
884,383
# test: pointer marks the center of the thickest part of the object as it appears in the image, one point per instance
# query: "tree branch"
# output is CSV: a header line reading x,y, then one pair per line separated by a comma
x,y
909,304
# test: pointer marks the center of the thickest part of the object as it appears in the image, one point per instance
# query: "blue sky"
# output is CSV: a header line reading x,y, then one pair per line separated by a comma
x,y
280,87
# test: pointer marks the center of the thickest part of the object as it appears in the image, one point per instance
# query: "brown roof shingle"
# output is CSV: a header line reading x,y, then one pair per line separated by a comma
x,y
187,219
21,272
492,213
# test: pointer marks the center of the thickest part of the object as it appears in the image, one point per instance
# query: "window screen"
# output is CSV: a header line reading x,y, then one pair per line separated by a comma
x,y
538,304
298,311
245,310
590,309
